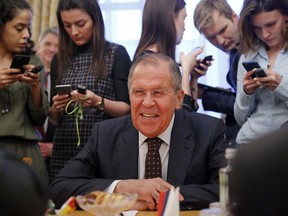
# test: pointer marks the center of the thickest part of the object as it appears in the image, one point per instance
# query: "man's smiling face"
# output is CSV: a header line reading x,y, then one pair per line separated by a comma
x,y
153,98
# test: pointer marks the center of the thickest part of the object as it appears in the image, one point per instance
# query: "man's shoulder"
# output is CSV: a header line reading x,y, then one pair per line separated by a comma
x,y
196,115
112,129
198,119
116,122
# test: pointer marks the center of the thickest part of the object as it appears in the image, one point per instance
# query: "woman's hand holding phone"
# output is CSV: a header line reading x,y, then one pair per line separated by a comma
x,y
60,101
8,76
29,77
256,77
202,66
61,98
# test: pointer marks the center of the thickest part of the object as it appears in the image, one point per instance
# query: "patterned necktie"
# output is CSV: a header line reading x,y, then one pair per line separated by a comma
x,y
153,160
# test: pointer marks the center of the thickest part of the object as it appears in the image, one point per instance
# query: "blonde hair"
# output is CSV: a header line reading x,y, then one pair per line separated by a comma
x,y
204,11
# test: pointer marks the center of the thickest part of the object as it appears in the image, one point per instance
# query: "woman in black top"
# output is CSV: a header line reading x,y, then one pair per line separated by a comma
x,y
86,58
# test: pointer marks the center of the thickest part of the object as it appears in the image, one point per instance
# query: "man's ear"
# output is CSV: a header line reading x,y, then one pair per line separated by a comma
x,y
179,98
235,18
37,47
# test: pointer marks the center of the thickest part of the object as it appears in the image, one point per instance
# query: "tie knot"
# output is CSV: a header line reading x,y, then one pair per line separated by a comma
x,y
154,143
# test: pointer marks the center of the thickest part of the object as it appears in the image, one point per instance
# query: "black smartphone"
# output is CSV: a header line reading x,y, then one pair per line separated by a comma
x,y
37,69
19,61
81,89
204,61
258,71
63,89
250,65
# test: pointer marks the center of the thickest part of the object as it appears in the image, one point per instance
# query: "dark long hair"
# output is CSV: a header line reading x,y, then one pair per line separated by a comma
x,y
66,47
9,9
158,26
249,40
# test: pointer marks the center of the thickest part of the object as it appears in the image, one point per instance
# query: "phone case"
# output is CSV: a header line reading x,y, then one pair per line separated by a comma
x,y
19,61
204,61
250,65
63,89
259,72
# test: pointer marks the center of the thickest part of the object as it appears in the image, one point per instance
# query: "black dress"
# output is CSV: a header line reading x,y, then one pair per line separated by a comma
x,y
113,86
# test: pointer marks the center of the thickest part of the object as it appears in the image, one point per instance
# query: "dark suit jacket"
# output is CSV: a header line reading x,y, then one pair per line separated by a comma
x,y
223,101
195,156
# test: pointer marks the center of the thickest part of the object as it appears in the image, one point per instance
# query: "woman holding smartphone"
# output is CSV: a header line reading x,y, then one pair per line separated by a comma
x,y
163,26
23,102
261,102
85,58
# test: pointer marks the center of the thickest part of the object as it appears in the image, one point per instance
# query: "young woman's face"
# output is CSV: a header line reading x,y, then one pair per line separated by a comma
x,y
269,28
78,24
179,21
16,32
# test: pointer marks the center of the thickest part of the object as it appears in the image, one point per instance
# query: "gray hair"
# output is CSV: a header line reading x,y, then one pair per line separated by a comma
x,y
154,59
50,30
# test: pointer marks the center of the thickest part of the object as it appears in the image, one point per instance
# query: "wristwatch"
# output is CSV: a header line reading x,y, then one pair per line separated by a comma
x,y
100,105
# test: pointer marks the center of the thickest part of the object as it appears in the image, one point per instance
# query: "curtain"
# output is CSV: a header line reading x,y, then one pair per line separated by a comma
x,y
44,16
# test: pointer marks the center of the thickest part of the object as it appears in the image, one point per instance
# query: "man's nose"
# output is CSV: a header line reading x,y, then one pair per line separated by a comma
x,y
220,40
148,99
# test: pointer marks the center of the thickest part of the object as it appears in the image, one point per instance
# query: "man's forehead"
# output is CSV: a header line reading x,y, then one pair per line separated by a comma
x,y
217,23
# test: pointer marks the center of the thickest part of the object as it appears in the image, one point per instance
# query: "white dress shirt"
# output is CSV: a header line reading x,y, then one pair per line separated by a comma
x,y
143,148
164,151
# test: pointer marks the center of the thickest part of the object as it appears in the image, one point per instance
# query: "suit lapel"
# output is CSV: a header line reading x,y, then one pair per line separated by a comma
x,y
181,150
127,151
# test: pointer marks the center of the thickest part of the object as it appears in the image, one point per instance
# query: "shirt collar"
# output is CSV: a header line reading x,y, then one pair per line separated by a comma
x,y
165,136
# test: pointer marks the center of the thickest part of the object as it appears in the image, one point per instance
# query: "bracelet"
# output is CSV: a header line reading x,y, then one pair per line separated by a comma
x,y
101,104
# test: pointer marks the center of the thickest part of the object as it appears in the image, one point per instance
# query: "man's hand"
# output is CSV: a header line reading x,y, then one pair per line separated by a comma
x,y
148,191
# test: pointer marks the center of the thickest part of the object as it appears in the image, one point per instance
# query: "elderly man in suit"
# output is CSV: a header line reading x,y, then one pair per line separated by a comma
x,y
191,150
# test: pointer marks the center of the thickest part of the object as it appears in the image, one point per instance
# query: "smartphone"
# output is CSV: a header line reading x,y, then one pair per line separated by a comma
x,y
204,61
63,89
19,61
250,65
37,69
81,89
258,71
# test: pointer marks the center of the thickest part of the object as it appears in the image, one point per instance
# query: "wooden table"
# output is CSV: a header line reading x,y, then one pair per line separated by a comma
x,y
140,213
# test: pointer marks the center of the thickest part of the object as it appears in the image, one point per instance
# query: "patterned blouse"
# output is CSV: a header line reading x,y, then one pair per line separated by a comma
x,y
113,86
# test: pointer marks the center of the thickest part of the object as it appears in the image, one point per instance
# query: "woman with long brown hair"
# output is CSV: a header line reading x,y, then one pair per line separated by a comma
x,y
85,57
23,102
261,102
162,29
